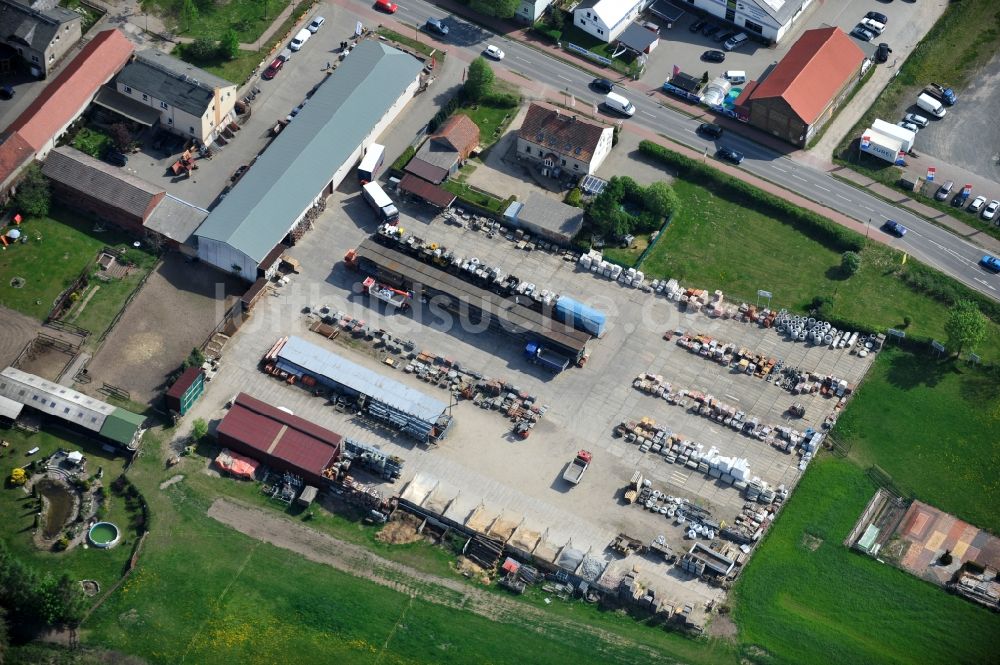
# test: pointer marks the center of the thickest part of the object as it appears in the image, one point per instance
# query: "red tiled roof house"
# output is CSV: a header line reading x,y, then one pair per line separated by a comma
x,y
558,139
803,91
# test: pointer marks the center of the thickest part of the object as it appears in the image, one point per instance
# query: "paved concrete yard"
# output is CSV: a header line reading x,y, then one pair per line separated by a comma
x,y
480,461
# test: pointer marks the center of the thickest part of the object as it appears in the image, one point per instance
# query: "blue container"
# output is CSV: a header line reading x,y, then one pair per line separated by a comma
x,y
580,316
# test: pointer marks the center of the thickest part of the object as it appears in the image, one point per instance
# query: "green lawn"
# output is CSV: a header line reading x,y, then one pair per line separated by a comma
x,y
205,593
476,196
951,53
235,70
17,509
833,606
717,243
248,17
491,120
947,456
412,42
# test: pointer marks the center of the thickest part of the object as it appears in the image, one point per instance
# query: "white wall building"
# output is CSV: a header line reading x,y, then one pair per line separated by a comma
x,y
564,141
770,19
606,19
530,11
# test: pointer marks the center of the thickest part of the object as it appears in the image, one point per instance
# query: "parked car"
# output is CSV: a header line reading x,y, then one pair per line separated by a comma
x,y
895,228
713,56
735,42
602,85
493,52
112,156
435,25
386,6
697,25
876,16
990,263
918,120
299,40
873,25
960,199
862,33
729,155
882,52
977,205
990,211
6,92
711,130
723,36
315,24
273,69
710,30
944,190
908,125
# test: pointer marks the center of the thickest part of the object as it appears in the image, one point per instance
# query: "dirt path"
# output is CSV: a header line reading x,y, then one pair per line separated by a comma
x,y
358,561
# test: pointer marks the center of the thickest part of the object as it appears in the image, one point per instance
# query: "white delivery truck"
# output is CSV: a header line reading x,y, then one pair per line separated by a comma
x,y
905,136
931,105
619,104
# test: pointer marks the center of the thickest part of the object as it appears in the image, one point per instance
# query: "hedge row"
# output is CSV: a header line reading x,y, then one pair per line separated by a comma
x,y
811,224
946,290
404,159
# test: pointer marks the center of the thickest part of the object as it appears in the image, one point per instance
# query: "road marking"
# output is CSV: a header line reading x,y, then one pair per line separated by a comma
x,y
565,78
985,283
678,478
778,168
649,114
735,399
822,187
867,208
522,59
843,197
795,175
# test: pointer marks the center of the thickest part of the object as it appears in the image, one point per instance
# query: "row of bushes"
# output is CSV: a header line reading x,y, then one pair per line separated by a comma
x,y
135,503
810,223
404,159
944,289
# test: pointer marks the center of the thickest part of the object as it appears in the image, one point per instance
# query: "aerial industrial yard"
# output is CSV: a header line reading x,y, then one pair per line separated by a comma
x,y
462,333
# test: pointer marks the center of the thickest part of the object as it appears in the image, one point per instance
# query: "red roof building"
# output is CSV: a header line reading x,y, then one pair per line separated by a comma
x,y
279,439
68,94
15,154
803,91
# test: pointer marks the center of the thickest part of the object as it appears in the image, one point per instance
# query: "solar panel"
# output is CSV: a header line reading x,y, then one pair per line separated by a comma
x,y
593,185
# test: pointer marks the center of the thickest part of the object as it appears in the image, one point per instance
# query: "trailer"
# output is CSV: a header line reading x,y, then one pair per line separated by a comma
x,y
371,163
395,298
575,470
547,358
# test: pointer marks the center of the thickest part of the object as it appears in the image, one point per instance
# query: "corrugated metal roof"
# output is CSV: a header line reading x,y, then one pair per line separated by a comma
x,y
183,382
54,399
543,212
114,186
280,435
9,408
426,171
122,426
429,192
320,362
288,176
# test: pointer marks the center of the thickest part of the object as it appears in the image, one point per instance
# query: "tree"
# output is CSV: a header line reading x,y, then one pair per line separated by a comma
x,y
121,136
498,8
557,19
660,199
229,47
202,49
189,14
479,82
199,429
850,262
33,196
966,326
18,477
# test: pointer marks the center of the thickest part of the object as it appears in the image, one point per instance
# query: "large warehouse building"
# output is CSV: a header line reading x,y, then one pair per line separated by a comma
x,y
307,161
408,410
802,92
283,441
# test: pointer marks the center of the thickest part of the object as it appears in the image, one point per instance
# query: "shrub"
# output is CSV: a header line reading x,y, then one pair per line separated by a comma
x,y
850,262
404,158
502,100
202,49
229,46
199,429
574,197
61,544
907,321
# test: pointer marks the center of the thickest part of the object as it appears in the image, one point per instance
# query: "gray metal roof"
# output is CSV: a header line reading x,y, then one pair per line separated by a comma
x,y
780,10
114,186
171,80
36,28
637,37
284,181
54,399
320,362
175,218
546,213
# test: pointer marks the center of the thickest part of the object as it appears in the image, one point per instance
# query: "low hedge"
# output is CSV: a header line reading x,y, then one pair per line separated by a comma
x,y
812,224
404,159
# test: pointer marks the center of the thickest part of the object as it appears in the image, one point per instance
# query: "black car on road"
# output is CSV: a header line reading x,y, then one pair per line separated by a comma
x,y
602,85
710,130
729,155
713,56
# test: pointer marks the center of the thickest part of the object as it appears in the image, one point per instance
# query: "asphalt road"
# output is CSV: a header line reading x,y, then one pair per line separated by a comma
x,y
930,244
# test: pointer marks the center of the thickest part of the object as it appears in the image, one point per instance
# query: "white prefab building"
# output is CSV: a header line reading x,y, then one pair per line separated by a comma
x,y
243,235
530,11
606,19
770,19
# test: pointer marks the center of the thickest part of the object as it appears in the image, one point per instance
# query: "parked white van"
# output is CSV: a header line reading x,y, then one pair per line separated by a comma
x,y
931,105
618,103
736,42
736,77
300,39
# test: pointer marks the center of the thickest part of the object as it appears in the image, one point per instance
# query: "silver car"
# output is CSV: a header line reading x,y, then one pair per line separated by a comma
x,y
918,120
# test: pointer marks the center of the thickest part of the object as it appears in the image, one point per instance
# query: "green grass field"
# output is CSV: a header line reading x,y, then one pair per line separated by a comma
x,y
953,444
248,17
207,594
58,249
715,243
831,606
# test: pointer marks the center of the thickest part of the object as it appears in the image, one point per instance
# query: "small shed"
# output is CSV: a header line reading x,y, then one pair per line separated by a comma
x,y
75,457
308,496
186,390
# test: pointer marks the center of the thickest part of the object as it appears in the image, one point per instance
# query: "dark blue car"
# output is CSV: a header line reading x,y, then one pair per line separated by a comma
x,y
895,228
